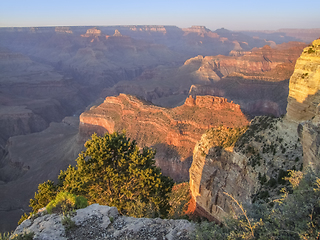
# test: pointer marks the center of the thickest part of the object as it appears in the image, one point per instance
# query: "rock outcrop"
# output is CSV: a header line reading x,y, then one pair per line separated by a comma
x,y
172,132
104,222
304,94
255,168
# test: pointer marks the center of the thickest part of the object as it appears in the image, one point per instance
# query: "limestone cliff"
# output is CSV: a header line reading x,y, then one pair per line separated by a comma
x,y
172,132
304,93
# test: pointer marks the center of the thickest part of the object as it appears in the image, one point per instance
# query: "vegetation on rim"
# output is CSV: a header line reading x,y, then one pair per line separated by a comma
x,y
112,171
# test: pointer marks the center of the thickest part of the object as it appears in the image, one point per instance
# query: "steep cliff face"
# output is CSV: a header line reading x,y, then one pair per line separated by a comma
x,y
251,169
309,132
304,94
255,167
172,132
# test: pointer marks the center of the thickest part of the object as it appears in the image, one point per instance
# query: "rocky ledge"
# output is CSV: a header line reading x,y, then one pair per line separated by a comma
x,y
103,222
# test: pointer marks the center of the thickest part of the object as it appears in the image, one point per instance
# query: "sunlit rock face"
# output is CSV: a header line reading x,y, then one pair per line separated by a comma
x,y
172,132
266,63
304,87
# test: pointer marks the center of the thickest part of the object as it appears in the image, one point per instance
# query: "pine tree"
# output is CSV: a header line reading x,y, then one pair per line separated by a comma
x,y
113,171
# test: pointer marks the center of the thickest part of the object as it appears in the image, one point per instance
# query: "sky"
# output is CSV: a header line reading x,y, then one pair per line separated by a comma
x,y
229,14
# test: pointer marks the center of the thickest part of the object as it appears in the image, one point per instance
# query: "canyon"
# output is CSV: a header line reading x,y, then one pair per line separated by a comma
x,y
257,80
50,75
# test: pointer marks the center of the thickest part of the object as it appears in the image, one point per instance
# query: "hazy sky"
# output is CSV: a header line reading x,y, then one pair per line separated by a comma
x,y
230,14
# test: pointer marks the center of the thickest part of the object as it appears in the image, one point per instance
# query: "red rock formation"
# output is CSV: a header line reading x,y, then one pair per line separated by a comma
x,y
173,132
265,63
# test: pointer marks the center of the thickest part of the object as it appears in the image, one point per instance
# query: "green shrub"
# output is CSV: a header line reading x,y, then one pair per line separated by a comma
x,y
65,202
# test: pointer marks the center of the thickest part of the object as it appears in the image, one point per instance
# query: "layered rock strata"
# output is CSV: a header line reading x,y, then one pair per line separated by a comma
x,y
172,132
266,63
304,93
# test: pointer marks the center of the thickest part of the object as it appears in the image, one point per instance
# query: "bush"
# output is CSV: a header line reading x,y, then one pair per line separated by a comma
x,y
65,202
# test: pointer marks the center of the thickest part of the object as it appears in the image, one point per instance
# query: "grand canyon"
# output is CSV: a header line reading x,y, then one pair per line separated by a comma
x,y
223,109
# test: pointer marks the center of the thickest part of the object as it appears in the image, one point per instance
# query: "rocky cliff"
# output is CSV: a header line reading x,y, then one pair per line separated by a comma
x,y
250,169
104,222
257,164
172,132
309,133
304,94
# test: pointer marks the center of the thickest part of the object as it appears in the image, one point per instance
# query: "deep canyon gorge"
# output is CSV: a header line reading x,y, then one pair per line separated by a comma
x,y
168,88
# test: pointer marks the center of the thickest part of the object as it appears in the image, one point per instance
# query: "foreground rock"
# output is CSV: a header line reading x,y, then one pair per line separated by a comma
x,y
104,222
